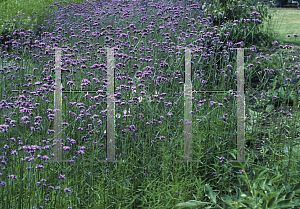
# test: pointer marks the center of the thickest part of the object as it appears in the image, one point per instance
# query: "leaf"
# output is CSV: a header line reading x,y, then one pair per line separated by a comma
x,y
260,175
262,194
253,116
271,189
297,201
271,193
243,207
274,84
226,199
255,175
191,203
268,188
269,108
297,188
238,198
272,202
249,128
275,179
287,187
244,178
281,92
290,195
208,192
262,185
281,189
247,202
285,204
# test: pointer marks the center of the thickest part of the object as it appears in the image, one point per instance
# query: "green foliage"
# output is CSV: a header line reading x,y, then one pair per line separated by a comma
x,y
249,32
9,26
10,9
262,193
28,15
230,9
285,94
280,93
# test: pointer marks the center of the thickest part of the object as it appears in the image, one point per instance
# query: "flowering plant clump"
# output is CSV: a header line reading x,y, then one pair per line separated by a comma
x,y
151,104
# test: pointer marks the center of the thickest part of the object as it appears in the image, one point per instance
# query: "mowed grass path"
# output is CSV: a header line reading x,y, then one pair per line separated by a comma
x,y
283,22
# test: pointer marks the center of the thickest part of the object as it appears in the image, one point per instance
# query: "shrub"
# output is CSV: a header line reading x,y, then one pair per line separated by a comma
x,y
239,12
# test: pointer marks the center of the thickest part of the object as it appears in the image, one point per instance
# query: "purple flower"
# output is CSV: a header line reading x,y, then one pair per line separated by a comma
x,y
12,176
39,166
62,176
2,183
222,159
224,118
67,190
66,148
132,128
81,152
45,158
212,102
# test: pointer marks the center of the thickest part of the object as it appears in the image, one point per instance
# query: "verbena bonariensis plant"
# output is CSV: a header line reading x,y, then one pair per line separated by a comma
x,y
149,78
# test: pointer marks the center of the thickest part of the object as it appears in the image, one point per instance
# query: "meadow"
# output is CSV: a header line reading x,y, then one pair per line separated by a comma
x,y
149,105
